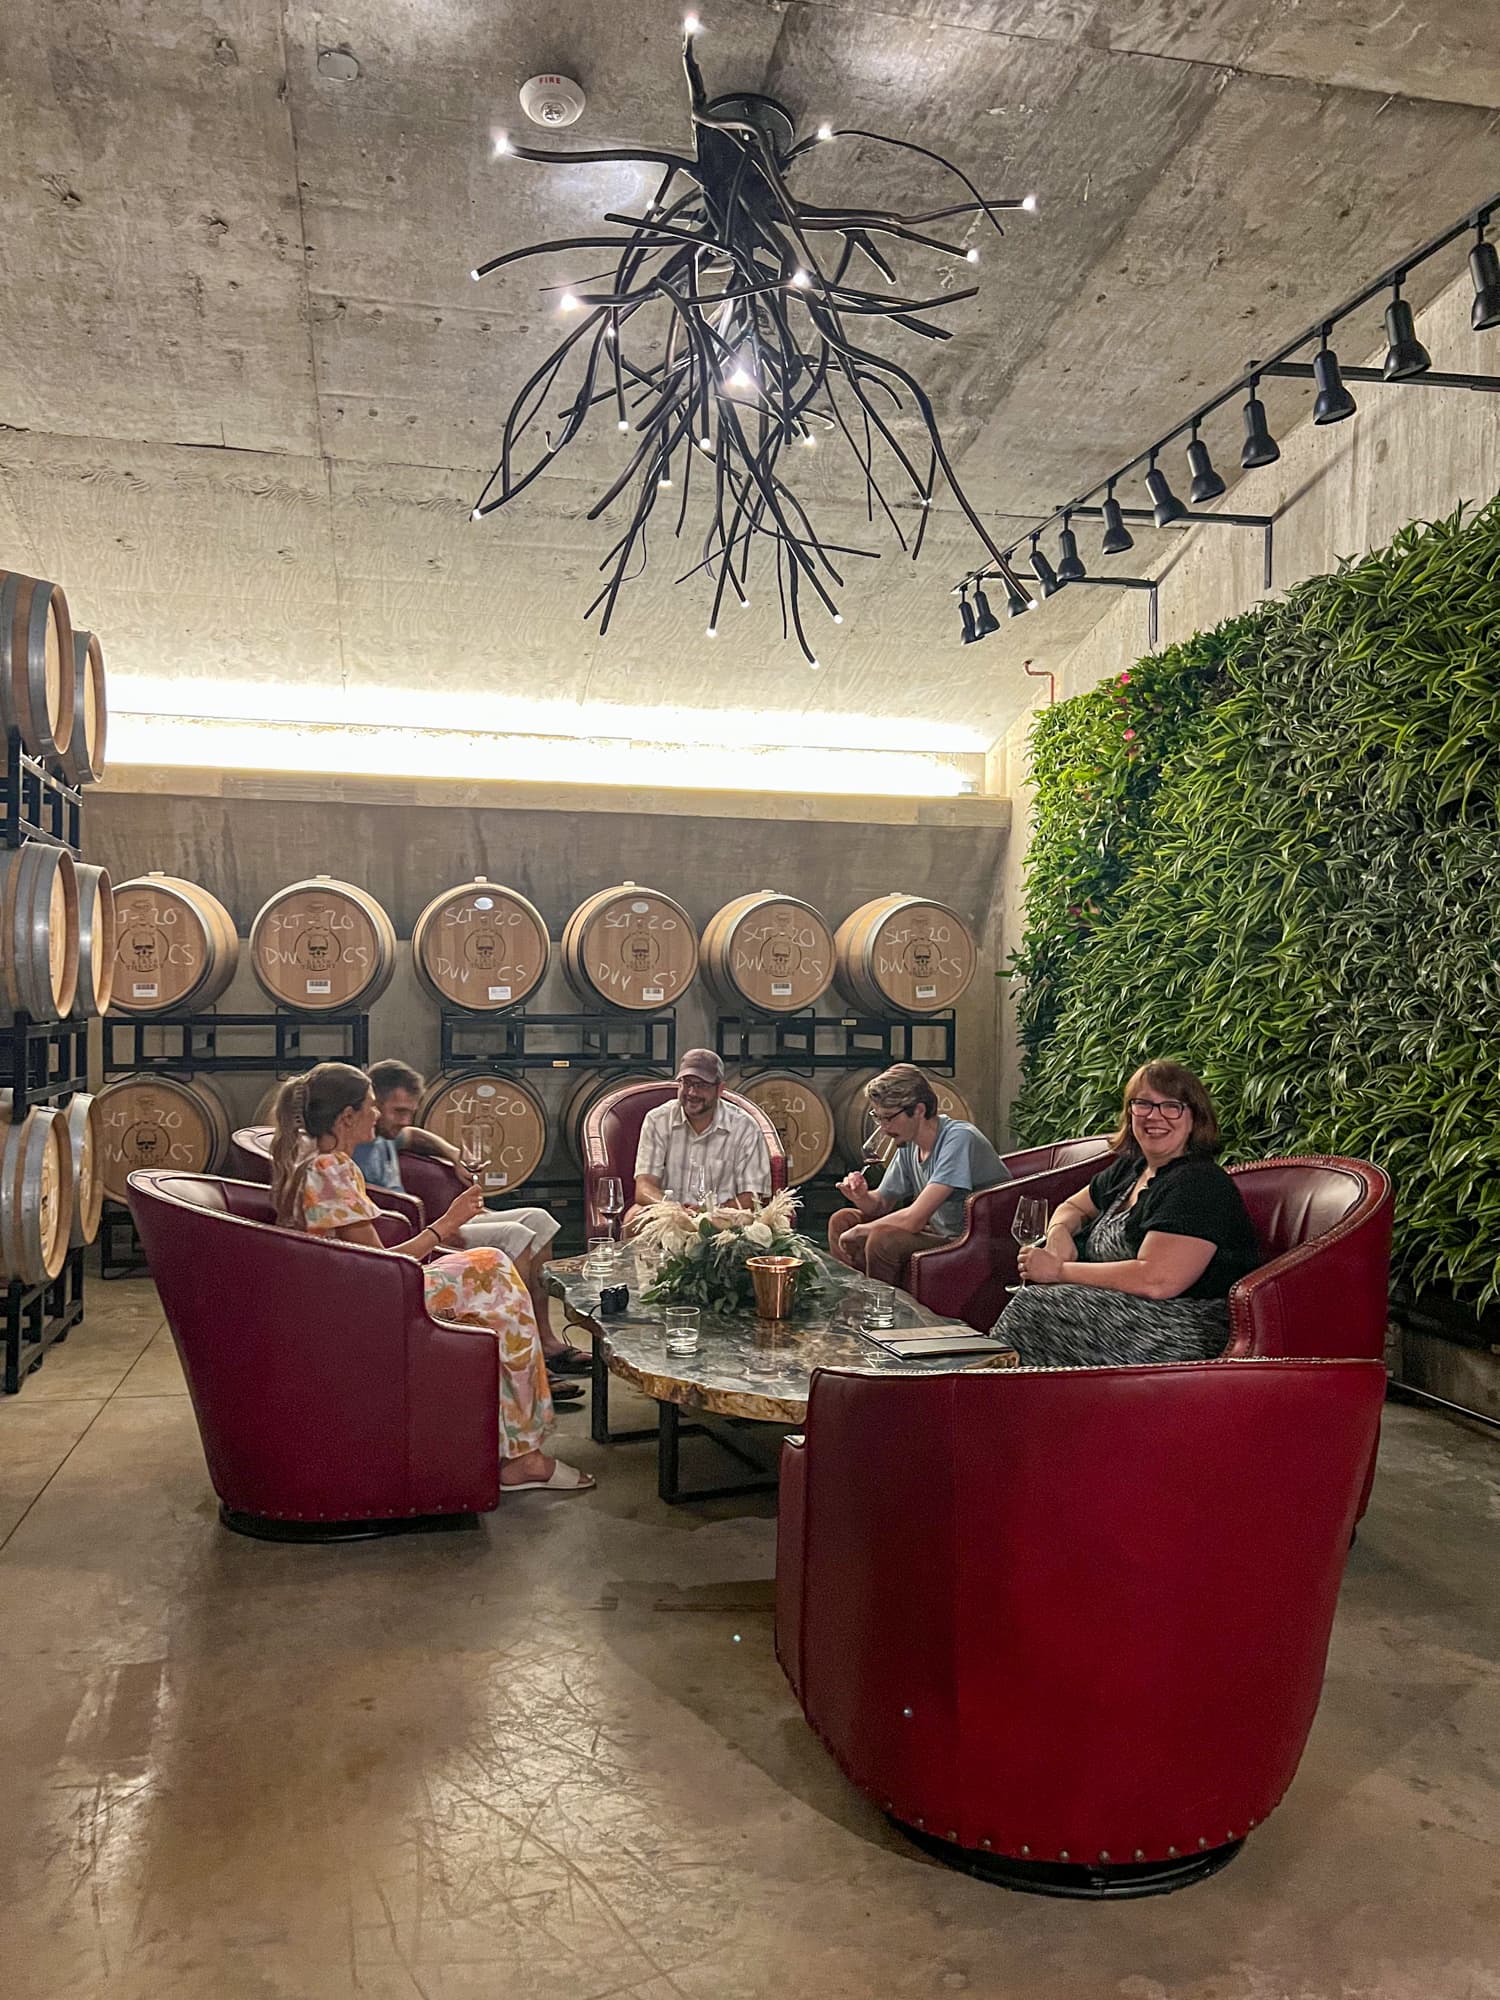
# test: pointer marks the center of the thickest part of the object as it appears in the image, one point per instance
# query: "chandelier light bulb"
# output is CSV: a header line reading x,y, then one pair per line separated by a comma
x,y
502,145
801,280
971,256
623,424
1028,202
809,440
741,378
838,617
691,25
712,632
665,480
1033,604
475,276
567,303
813,665
825,132
477,515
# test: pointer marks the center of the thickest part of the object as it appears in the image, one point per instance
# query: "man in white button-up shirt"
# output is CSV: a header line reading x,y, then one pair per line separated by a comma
x,y
700,1146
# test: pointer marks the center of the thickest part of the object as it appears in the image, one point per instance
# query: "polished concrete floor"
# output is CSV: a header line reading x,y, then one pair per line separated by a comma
x,y
554,1759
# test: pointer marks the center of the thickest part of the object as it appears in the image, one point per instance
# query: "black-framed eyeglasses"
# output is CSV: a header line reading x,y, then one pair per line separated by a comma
x,y
1170,1107
901,1111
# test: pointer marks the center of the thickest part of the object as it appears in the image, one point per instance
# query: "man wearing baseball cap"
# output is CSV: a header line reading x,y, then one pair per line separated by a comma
x,y
699,1148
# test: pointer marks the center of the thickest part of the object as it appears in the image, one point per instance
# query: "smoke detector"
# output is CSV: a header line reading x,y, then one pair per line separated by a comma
x,y
553,101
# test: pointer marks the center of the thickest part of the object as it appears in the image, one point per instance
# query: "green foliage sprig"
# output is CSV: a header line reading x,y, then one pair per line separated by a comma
x,y
1287,877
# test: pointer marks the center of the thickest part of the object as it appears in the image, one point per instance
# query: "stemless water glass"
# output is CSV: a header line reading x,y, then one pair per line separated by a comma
x,y
681,1324
600,1260
880,1309
1029,1223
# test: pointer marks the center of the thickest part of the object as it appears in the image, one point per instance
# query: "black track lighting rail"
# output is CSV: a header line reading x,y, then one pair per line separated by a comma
x,y
1280,363
1432,378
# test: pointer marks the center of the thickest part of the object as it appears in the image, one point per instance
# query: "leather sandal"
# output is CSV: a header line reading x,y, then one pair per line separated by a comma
x,y
569,1361
565,1479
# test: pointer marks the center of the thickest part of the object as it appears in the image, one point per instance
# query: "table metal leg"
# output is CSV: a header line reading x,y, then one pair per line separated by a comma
x,y
670,1431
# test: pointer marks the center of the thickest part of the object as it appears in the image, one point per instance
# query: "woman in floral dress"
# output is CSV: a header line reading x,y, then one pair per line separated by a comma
x,y
320,1118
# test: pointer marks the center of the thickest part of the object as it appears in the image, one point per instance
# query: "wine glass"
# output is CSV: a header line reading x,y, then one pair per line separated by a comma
x,y
609,1199
876,1147
471,1150
1029,1223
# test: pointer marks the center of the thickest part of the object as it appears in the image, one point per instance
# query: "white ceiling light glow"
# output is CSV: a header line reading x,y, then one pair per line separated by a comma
x,y
344,750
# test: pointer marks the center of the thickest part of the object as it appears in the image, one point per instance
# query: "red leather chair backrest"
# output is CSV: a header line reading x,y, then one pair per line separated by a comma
x,y
612,1133
250,1152
968,1278
431,1184
1091,1614
1324,1224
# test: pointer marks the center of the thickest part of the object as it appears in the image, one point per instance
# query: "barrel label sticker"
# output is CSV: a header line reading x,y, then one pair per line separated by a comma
x,y
653,993
140,992
497,1180
484,1090
781,989
320,986
927,993
484,902
640,908
499,992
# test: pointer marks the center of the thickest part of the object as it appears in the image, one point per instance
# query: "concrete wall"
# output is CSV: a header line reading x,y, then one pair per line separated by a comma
x,y
1411,453
244,849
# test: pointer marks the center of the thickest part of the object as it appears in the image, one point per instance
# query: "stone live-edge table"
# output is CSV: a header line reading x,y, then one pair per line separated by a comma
x,y
746,1371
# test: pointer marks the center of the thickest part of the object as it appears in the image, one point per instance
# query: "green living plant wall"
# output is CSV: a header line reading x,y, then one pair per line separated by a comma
x,y
1273,853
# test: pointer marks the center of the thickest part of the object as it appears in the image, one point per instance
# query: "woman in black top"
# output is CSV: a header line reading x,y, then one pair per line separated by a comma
x,y
1137,1266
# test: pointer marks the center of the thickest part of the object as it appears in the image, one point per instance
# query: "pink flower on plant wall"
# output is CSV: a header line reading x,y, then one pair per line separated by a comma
x,y
1129,734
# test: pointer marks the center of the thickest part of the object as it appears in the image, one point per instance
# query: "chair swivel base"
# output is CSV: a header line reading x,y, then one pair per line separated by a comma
x,y
265,1528
1090,1881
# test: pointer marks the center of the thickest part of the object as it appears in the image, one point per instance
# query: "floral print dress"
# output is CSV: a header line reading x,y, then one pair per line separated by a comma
x,y
474,1287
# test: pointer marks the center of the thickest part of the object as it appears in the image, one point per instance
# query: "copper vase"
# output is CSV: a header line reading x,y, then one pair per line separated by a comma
x,y
775,1280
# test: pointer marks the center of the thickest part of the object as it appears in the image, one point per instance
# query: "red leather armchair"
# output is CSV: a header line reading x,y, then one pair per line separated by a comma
x,y
432,1184
329,1402
1077,1641
612,1132
1324,1225
967,1278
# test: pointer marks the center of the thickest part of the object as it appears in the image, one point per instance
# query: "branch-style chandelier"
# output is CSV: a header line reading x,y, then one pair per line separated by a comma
x,y
728,336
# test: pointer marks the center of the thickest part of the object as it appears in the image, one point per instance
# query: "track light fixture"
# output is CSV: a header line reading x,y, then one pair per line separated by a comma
x,y
1333,402
1259,448
1405,355
965,612
1046,574
1070,569
1017,603
1207,485
985,620
1165,505
1117,537
1484,269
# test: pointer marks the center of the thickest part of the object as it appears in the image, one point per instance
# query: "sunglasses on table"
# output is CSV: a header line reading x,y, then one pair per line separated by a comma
x,y
1170,1108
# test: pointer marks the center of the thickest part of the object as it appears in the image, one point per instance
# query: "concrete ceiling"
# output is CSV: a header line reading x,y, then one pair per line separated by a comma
x,y
250,391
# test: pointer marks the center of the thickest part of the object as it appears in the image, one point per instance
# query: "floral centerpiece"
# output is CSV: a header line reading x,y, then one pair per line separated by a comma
x,y
705,1253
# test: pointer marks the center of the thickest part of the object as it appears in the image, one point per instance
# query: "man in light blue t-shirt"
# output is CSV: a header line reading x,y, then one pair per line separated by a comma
x,y
938,1163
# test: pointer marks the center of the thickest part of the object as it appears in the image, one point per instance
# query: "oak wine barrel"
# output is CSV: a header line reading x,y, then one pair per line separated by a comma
x,y
86,1145
480,946
159,1121
903,955
175,946
768,952
633,947
590,1089
36,1193
38,932
36,664
851,1115
96,942
322,947
83,760
801,1114
485,1112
